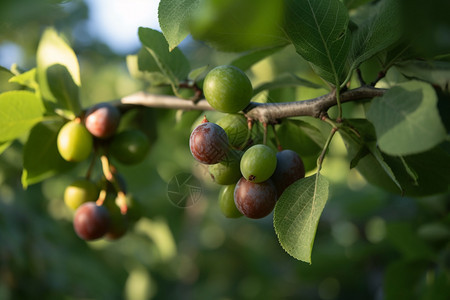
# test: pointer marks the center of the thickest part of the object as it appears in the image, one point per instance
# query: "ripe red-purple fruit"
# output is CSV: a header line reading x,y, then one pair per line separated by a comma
x,y
208,143
255,200
91,221
289,169
102,120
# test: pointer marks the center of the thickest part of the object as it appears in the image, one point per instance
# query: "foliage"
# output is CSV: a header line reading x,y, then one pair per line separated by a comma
x,y
398,142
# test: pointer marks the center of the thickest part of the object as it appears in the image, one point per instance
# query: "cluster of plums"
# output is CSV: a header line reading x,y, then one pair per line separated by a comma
x,y
254,176
102,209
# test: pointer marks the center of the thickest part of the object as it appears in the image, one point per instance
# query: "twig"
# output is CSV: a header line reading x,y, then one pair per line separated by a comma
x,y
263,112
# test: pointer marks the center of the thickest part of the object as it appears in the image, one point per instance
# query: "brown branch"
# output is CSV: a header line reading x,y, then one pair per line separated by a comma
x,y
263,112
163,101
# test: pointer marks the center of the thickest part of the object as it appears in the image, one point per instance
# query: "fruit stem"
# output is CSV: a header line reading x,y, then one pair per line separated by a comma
x,y
325,148
277,140
106,168
339,105
249,133
108,172
265,133
101,198
122,202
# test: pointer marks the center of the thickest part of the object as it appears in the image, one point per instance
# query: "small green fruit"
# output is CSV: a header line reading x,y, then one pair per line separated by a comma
x,y
236,127
130,146
226,202
79,192
74,142
227,89
258,163
227,171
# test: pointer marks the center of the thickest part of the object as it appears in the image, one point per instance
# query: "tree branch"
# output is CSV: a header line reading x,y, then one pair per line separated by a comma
x,y
263,112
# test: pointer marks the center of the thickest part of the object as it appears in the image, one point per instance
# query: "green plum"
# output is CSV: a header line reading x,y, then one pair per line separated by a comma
x,y
258,163
74,141
227,89
227,171
130,146
226,202
236,127
79,192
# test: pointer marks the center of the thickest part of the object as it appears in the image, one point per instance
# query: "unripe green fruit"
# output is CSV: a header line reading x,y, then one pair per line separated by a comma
x,y
226,202
258,163
227,89
74,142
236,127
227,171
79,192
130,146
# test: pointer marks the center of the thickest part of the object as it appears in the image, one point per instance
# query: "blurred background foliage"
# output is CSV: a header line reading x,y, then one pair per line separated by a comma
x,y
369,244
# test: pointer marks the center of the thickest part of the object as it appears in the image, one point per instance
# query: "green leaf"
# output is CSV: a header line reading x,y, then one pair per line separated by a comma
x,y
4,146
434,72
56,59
197,73
174,19
318,30
41,158
297,214
435,161
63,87
406,119
3,69
244,62
355,3
376,34
237,26
27,79
365,147
173,66
286,80
408,174
19,112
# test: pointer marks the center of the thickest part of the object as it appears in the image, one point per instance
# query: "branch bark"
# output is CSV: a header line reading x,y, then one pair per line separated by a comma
x,y
263,112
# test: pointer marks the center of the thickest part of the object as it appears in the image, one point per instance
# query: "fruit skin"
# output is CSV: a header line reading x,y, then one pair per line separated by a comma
x,y
130,146
80,191
227,171
226,202
236,127
91,221
227,89
208,143
258,163
74,142
289,169
255,200
102,120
